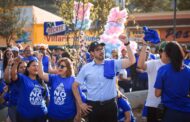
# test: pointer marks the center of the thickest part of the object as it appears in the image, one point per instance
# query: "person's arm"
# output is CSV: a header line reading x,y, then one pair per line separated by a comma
x,y
158,92
44,76
142,58
7,73
78,115
83,106
131,58
14,71
127,116
51,62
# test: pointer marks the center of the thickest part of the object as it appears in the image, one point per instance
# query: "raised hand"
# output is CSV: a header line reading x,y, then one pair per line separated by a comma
x,y
123,38
40,56
17,60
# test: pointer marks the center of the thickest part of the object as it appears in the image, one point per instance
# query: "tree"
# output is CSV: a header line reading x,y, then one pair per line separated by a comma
x,y
148,5
99,12
183,4
11,24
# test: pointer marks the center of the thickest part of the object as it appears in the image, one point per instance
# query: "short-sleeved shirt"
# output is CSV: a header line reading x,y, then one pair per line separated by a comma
x,y
175,87
30,58
187,62
31,103
13,94
62,102
124,106
152,68
99,88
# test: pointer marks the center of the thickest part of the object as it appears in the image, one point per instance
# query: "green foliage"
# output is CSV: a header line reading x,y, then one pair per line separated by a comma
x,y
183,5
10,23
156,5
100,12
66,10
148,5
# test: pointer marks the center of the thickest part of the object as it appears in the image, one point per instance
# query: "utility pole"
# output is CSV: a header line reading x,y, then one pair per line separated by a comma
x,y
174,20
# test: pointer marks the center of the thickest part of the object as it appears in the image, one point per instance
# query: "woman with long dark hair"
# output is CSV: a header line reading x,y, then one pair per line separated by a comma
x,y
31,103
13,89
8,54
62,106
173,85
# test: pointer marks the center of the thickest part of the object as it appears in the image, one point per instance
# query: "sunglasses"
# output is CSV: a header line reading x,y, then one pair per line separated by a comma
x,y
61,66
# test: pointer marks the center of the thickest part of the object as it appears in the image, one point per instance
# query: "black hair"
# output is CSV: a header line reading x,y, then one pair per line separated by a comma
x,y
20,64
175,53
40,81
27,73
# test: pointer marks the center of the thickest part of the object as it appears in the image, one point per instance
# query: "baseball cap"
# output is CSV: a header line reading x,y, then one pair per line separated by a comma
x,y
95,44
15,49
162,46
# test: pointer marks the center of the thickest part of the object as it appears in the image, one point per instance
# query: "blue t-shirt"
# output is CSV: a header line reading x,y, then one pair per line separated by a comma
x,y
187,62
30,58
62,102
124,106
13,94
175,87
31,103
45,62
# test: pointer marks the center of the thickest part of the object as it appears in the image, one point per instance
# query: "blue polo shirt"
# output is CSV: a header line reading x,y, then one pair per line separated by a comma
x,y
31,103
175,87
62,104
124,106
99,88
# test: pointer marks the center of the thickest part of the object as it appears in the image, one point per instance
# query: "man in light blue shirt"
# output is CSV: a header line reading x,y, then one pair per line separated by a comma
x,y
100,79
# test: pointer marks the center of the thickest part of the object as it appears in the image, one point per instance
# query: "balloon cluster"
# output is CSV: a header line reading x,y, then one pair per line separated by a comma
x,y
151,35
82,15
113,28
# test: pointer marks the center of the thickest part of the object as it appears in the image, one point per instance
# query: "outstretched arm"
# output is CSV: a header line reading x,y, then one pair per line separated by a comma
x,y
44,76
131,58
142,58
7,73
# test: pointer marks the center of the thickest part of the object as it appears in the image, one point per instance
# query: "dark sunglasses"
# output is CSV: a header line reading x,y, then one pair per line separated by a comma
x,y
61,66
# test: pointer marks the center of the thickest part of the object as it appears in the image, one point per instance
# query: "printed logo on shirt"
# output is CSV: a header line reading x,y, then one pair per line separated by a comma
x,y
36,96
59,95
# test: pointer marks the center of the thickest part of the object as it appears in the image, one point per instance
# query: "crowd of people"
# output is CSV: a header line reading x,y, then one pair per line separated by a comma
x,y
40,85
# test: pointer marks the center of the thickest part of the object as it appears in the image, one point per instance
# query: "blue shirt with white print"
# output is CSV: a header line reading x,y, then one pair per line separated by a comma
x,y
31,103
124,106
175,87
62,102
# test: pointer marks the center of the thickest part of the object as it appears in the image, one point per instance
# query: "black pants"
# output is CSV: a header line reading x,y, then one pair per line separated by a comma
x,y
176,116
103,112
55,120
153,115
20,118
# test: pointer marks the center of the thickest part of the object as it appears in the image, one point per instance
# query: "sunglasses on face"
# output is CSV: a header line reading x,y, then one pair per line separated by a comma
x,y
61,66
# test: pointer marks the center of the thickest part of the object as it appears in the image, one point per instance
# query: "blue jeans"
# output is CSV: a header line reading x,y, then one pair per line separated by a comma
x,y
12,113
